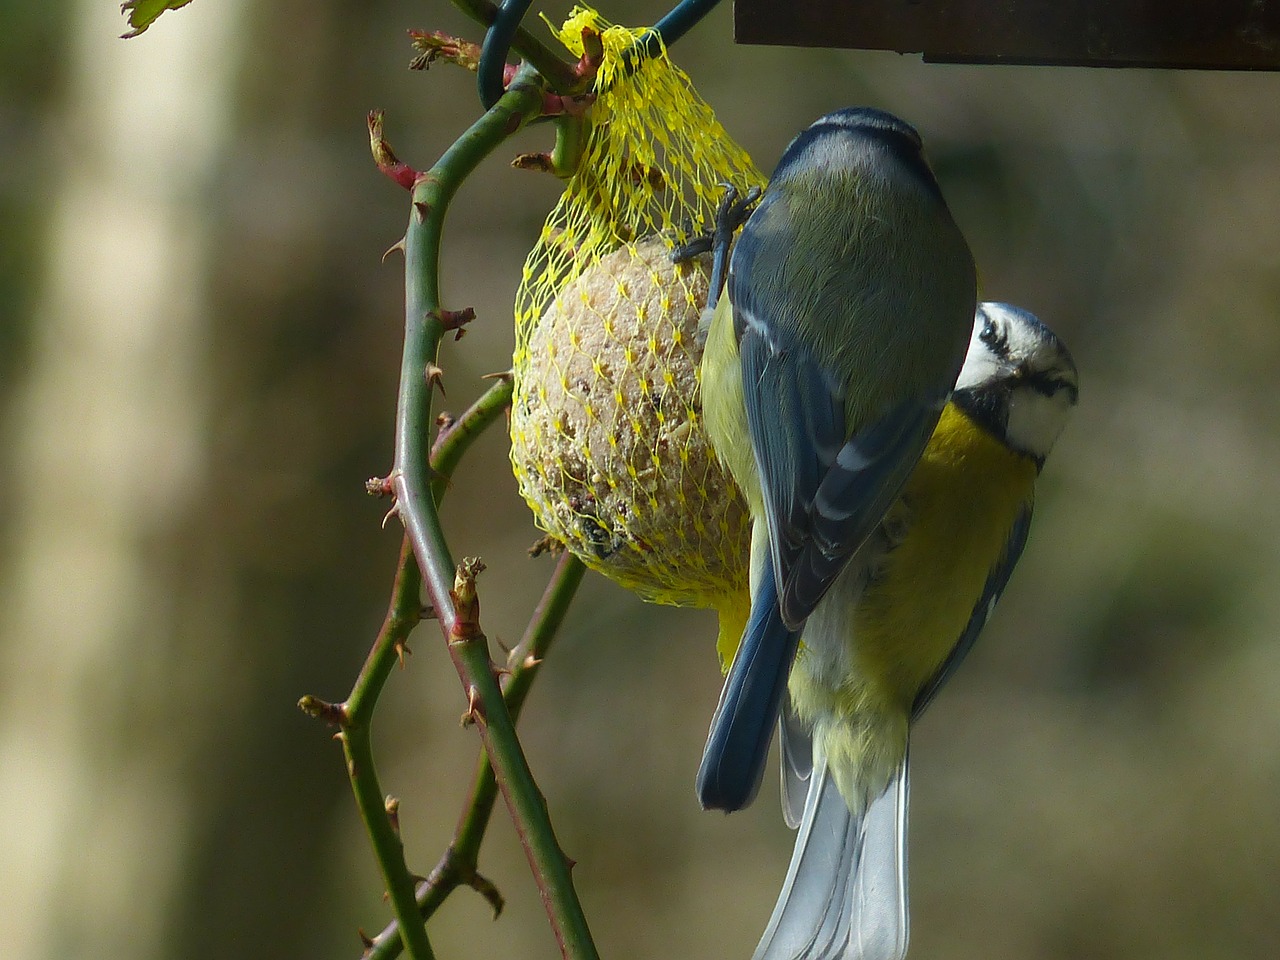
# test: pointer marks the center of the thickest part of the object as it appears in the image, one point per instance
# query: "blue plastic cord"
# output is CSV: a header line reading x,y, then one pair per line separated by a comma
x,y
493,54
497,41
678,22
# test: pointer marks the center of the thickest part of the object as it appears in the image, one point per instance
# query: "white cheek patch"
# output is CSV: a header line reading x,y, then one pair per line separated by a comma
x,y
1036,420
1024,350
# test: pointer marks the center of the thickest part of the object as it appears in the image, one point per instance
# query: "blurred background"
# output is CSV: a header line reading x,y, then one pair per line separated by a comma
x,y
198,355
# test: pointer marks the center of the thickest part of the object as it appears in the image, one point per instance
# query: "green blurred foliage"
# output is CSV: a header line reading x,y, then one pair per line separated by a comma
x,y
29,86
143,13
1101,778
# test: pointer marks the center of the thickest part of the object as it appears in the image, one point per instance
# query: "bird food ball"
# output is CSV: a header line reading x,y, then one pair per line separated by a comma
x,y
606,430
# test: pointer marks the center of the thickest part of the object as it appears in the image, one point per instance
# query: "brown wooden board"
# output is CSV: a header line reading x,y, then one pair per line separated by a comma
x,y
1187,34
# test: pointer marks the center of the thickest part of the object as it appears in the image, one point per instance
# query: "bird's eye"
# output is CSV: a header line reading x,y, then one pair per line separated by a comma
x,y
988,334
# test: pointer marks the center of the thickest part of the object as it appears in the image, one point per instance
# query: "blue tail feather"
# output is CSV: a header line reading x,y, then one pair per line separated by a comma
x,y
742,728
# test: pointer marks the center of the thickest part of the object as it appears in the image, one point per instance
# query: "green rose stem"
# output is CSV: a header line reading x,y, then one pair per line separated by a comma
x,y
458,866
452,587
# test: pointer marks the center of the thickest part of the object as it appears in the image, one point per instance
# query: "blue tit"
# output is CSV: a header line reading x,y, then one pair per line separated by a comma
x,y
849,303
906,611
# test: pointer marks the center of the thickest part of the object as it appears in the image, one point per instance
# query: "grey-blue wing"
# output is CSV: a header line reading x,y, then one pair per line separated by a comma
x,y
853,497
824,492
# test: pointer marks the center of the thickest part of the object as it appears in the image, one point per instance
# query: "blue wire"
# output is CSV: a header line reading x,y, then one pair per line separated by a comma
x,y
497,41
678,22
493,54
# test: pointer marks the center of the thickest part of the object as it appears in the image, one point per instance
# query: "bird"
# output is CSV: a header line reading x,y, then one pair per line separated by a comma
x,y
846,313
913,605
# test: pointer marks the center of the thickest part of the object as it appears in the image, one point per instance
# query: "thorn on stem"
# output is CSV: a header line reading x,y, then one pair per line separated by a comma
x,y
397,247
402,651
366,940
392,805
444,426
487,889
475,707
507,375
530,662
435,377
393,512
427,612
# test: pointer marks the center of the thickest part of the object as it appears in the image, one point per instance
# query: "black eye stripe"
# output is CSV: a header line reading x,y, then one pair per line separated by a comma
x,y
996,338
1048,385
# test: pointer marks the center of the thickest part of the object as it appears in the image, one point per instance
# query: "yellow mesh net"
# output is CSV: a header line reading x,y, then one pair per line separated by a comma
x,y
606,430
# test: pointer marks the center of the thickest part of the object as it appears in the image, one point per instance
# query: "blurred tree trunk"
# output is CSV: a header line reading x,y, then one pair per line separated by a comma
x,y
109,648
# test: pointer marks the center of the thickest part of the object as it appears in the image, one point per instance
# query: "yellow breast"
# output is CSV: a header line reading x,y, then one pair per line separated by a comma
x,y
865,656
957,509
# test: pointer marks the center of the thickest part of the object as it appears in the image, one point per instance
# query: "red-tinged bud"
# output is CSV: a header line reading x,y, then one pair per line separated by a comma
x,y
437,45
385,157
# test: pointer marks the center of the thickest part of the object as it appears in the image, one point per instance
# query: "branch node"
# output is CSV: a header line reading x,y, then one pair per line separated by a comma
x,y
555,105
650,177
537,162
421,209
547,544
401,173
436,45
465,600
331,713
380,486
392,805
455,320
